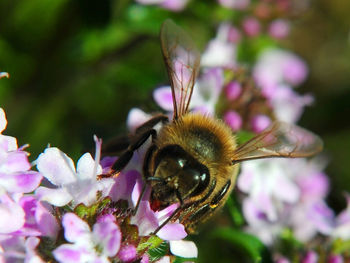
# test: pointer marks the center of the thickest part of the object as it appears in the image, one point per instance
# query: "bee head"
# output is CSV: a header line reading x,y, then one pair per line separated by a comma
x,y
178,176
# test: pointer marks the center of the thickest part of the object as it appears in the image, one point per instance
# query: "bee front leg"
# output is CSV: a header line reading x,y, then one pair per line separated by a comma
x,y
124,159
142,133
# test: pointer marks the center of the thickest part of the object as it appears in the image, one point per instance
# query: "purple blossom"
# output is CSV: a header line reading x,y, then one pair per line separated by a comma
x,y
310,257
205,94
233,119
127,253
72,185
233,90
285,193
278,28
86,245
277,66
19,249
260,122
251,26
148,221
12,214
335,259
15,174
39,220
289,105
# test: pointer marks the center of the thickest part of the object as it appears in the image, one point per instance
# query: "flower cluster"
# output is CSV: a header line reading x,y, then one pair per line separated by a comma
x,y
279,197
65,213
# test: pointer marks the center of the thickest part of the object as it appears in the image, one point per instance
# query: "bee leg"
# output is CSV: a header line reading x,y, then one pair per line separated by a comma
x,y
124,159
167,220
119,144
116,145
204,212
151,123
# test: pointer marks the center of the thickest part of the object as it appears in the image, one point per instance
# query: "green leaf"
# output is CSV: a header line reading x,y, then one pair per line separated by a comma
x,y
180,260
234,211
245,242
151,243
158,252
89,212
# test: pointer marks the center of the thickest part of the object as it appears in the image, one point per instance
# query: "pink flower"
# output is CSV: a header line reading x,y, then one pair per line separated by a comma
x,y
72,185
233,90
205,94
15,174
276,67
233,119
260,122
12,214
310,257
279,28
251,26
86,245
19,249
39,220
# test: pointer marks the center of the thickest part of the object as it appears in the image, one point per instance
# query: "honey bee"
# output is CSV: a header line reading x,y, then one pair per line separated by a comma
x,y
194,159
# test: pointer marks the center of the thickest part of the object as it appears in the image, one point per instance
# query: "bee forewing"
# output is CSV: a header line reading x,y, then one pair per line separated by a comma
x,y
279,140
182,60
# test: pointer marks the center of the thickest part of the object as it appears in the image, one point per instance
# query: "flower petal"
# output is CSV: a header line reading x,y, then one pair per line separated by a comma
x,y
136,118
165,259
164,98
145,219
3,120
127,253
183,248
46,222
124,185
56,166
20,182
173,231
68,253
75,229
12,215
85,168
15,161
107,232
57,197
31,257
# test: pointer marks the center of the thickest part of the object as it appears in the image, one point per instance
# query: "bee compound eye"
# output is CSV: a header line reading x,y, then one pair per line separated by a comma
x,y
181,162
200,179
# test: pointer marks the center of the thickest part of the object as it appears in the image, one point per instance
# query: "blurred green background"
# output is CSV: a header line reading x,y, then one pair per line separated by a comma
x,y
77,67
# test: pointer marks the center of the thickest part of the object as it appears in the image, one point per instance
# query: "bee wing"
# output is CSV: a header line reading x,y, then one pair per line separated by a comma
x,y
279,140
182,60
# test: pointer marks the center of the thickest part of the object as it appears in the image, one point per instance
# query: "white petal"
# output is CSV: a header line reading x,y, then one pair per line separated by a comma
x,y
57,197
165,259
56,166
136,117
3,121
183,248
85,167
